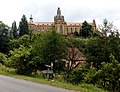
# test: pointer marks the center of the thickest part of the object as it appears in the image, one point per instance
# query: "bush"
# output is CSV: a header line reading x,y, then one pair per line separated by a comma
x,y
3,58
20,60
77,75
108,77
89,77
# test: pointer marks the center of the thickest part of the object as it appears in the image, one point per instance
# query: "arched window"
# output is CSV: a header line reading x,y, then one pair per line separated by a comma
x,y
61,28
67,30
71,29
75,29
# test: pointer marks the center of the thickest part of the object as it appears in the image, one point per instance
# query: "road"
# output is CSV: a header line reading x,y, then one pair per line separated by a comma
x,y
9,84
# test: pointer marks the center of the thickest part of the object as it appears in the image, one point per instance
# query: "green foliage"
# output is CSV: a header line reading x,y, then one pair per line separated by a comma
x,y
19,59
114,47
90,88
77,75
75,49
14,29
82,87
50,47
23,26
89,77
86,30
107,27
4,38
95,51
108,76
3,58
30,53
76,43
23,40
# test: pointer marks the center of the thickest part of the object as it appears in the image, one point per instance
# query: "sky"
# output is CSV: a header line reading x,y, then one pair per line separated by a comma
x,y
72,10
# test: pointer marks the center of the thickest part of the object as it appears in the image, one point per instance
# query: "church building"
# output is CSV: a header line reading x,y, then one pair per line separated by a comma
x,y
59,23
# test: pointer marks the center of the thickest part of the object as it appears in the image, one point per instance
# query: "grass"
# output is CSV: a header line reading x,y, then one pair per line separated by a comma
x,y
77,88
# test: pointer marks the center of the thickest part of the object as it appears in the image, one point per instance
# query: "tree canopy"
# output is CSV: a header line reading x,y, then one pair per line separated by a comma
x,y
4,38
23,26
86,30
14,29
50,48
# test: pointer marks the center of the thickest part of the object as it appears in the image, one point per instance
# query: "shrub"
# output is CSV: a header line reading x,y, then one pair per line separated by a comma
x,y
108,77
3,58
77,75
20,60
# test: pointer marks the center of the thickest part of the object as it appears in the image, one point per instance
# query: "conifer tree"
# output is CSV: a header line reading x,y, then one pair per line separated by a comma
x,y
14,29
23,26
86,30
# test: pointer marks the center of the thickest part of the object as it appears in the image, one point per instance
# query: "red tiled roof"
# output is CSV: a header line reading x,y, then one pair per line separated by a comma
x,y
43,23
50,23
73,23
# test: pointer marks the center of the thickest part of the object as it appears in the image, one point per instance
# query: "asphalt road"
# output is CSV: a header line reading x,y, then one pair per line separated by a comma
x,y
9,84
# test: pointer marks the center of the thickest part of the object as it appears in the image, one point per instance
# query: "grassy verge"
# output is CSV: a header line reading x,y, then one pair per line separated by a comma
x,y
78,88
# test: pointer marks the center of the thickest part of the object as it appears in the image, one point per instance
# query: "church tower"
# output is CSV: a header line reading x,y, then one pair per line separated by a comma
x,y
59,22
31,19
59,18
58,12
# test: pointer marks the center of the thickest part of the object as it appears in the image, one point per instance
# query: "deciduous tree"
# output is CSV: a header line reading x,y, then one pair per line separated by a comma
x,y
4,38
49,48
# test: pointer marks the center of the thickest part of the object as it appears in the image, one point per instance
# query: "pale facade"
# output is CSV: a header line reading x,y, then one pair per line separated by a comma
x,y
59,23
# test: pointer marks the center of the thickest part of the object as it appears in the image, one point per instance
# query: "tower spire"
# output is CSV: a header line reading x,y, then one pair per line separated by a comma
x,y
58,11
31,19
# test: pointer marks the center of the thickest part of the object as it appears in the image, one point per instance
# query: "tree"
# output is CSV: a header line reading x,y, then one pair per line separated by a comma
x,y
95,51
14,29
86,30
23,40
108,76
49,48
75,55
77,75
23,26
107,28
98,49
19,59
4,38
112,41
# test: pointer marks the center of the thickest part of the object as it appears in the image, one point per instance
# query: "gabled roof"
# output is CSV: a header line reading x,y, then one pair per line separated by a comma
x,y
42,23
73,24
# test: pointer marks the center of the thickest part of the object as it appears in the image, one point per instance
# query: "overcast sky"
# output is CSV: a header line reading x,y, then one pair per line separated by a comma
x,y
72,10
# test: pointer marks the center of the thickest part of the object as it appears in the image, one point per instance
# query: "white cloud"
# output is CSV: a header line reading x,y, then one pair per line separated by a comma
x,y
73,10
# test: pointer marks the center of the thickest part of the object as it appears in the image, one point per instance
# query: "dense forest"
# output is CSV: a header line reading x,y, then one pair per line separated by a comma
x,y
28,52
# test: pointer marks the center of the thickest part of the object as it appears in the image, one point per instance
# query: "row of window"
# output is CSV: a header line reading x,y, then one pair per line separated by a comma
x,y
68,29
39,28
71,29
